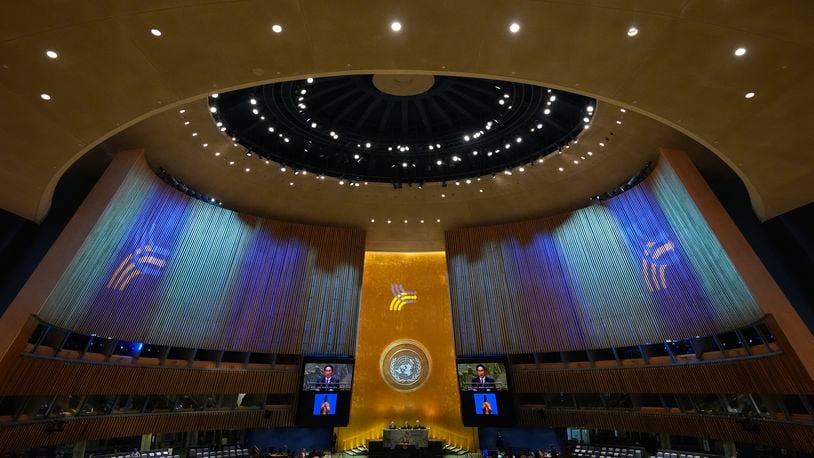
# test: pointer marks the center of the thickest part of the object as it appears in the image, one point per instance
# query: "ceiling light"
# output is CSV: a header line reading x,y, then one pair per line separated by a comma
x,y
303,92
601,144
231,162
422,221
342,183
632,32
248,169
367,145
590,153
522,169
547,111
748,95
576,161
45,96
561,169
404,164
214,96
590,109
738,52
205,145
388,221
51,54
514,27
182,111
405,221
586,119
518,139
623,110
618,122
283,169
356,156
438,220
276,28
443,195
217,153
309,80
468,181
195,134
313,125
271,129
466,138
155,32
501,102
439,162
474,153
213,109
395,26
437,145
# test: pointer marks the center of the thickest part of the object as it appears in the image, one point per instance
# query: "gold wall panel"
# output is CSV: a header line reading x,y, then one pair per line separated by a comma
x,y
405,299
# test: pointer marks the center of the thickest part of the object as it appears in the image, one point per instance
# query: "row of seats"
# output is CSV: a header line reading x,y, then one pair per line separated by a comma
x,y
608,452
144,454
671,454
233,453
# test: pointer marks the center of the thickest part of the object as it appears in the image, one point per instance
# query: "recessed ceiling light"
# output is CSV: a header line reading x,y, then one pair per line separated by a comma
x,y
276,28
561,169
576,161
632,32
590,109
248,169
309,80
213,110
356,156
749,95
443,195
283,169
618,122
623,110
367,145
45,96
195,134
395,26
231,162
372,220
438,220
51,54
404,164
522,169
740,51
405,221
514,27
546,111
182,111
155,32
205,145
217,153
439,162
422,221
214,96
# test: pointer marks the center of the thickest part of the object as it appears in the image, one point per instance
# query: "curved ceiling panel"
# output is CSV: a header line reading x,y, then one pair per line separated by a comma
x,y
680,68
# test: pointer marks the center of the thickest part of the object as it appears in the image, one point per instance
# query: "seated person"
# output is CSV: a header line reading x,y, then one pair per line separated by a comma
x,y
418,425
482,382
392,425
406,425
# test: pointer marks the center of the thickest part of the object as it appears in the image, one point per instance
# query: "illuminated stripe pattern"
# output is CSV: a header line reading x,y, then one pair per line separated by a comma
x,y
164,268
587,279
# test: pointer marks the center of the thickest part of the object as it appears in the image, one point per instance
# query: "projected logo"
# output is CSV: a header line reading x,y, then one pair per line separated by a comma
x,y
145,260
401,298
654,264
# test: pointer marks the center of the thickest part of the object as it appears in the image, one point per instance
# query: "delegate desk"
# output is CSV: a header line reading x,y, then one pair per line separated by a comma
x,y
401,437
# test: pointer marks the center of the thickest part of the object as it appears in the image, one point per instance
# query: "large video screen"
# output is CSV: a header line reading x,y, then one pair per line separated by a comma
x,y
486,376
327,376
325,404
484,385
325,393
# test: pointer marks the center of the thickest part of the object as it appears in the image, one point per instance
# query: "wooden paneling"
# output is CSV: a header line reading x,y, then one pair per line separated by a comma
x,y
32,375
785,435
778,374
20,436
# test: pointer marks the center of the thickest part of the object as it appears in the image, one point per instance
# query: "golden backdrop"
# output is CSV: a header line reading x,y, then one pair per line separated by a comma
x,y
405,297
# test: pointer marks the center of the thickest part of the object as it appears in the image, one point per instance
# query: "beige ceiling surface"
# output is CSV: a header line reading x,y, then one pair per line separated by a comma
x,y
680,69
607,153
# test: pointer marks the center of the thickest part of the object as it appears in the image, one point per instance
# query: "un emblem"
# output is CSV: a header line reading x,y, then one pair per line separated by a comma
x,y
405,365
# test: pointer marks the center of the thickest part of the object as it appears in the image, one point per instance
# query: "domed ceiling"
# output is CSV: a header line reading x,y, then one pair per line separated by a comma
x,y
401,129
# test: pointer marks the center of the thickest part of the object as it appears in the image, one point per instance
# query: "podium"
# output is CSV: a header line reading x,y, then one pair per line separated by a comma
x,y
405,437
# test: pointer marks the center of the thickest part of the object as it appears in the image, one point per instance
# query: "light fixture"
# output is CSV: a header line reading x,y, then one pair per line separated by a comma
x,y
283,169
276,28
205,145
422,221
217,153
618,122
632,32
356,156
576,161
514,27
45,96
740,51
439,162
248,169
195,134
561,169
590,109
155,32
182,111
309,80
213,110
367,145
547,111
51,54
438,220
214,96
231,162
253,101
404,164
748,95
623,110
395,26
405,221
522,169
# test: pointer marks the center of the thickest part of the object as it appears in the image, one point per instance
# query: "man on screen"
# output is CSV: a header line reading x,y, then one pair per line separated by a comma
x,y
482,382
329,381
